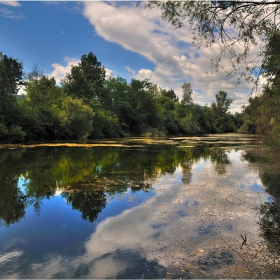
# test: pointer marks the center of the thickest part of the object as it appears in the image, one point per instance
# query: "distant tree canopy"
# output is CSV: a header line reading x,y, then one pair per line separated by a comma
x,y
88,104
236,26
10,78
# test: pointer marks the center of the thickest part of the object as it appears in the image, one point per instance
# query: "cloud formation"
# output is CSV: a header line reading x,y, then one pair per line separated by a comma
x,y
60,71
176,59
10,14
129,70
11,3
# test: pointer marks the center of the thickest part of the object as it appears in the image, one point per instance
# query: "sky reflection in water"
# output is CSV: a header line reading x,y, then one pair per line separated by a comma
x,y
169,213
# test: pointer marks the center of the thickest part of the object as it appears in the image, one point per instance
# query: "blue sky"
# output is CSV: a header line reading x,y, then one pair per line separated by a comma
x,y
130,41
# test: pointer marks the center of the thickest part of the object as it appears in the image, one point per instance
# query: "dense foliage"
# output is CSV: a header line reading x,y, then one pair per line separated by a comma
x,y
89,105
262,113
262,116
237,27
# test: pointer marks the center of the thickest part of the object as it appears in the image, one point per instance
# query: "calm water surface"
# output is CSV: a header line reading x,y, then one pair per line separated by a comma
x,y
141,209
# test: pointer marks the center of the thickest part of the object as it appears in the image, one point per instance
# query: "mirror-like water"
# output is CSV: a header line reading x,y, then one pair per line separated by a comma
x,y
182,208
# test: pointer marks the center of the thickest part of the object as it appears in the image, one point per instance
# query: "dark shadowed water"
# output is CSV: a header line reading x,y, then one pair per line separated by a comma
x,y
141,209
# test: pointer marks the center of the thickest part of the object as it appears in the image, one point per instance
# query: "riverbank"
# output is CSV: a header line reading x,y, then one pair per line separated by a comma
x,y
207,139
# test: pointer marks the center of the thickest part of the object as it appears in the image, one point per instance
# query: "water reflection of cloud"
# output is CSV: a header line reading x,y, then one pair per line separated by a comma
x,y
14,243
199,167
105,268
10,256
235,155
158,233
177,228
219,202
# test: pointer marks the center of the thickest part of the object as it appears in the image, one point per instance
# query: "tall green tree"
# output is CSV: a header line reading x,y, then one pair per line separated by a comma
x,y
222,120
167,103
187,94
77,118
10,78
85,80
41,107
222,102
133,103
92,69
251,114
50,114
170,94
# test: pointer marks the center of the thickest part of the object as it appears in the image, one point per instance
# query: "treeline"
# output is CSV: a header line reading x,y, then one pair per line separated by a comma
x,y
87,105
262,115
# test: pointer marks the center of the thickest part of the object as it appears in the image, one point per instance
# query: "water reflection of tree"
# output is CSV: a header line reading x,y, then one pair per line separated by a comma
x,y
75,171
217,156
220,157
187,172
12,200
90,204
269,172
191,156
84,176
270,211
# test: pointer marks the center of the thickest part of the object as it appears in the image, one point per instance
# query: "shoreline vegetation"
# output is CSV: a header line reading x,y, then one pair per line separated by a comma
x,y
139,142
88,105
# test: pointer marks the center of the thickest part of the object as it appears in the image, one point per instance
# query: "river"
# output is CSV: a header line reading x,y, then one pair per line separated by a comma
x,y
186,207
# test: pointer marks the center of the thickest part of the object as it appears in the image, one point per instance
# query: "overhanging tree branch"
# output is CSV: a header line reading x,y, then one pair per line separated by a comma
x,y
212,22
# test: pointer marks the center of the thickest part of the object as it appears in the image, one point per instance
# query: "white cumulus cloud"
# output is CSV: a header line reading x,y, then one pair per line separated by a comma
x,y
10,14
129,70
176,59
11,3
60,71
